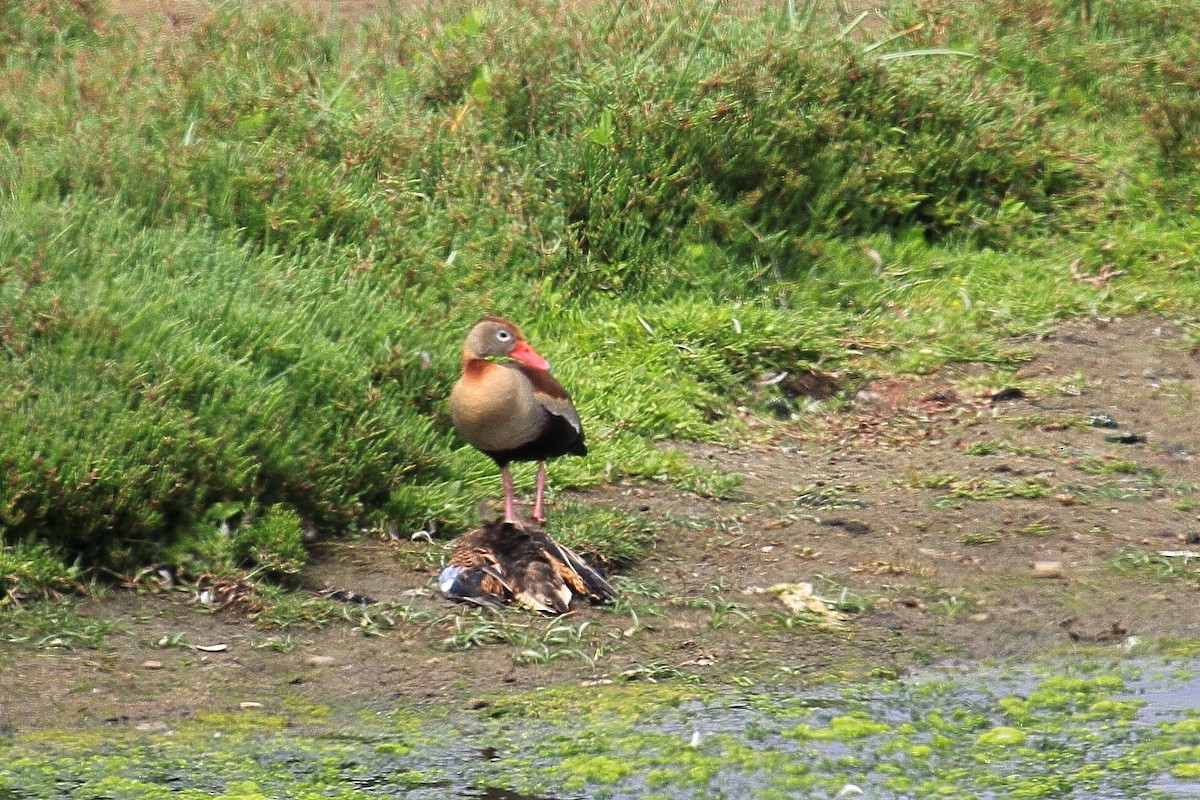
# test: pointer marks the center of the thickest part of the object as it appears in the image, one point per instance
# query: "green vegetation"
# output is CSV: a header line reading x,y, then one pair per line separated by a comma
x,y
1038,528
56,627
236,262
1183,565
1108,465
988,448
979,488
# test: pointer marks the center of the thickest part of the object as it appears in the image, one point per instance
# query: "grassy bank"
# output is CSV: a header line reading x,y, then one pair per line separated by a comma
x,y
236,263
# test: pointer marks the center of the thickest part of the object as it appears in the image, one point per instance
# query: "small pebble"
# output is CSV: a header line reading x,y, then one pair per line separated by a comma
x,y
1101,419
320,661
1047,569
152,665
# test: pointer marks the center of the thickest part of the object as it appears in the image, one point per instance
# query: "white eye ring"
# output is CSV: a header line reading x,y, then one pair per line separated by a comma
x,y
503,336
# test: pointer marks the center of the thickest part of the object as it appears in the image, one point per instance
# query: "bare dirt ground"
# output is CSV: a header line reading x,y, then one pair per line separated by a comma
x,y
930,499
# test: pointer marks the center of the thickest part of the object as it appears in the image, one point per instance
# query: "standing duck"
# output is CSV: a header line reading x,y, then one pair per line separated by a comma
x,y
512,408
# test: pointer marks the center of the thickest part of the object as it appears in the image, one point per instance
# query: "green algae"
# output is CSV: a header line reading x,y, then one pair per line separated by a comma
x,y
1001,736
1083,730
1191,770
593,702
225,755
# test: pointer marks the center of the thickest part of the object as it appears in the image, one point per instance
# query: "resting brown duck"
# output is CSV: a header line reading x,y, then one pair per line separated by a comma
x,y
501,562
512,408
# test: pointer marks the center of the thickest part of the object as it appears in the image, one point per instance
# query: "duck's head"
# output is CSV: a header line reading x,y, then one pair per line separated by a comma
x,y
496,337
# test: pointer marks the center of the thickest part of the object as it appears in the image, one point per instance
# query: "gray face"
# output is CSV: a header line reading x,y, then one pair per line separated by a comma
x,y
490,338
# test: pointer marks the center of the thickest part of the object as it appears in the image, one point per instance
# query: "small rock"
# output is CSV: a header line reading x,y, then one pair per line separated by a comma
x,y
347,596
1124,437
320,661
849,526
1101,419
152,664
1047,569
250,704
1006,394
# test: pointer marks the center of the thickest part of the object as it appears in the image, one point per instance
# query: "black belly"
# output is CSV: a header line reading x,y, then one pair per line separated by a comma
x,y
559,438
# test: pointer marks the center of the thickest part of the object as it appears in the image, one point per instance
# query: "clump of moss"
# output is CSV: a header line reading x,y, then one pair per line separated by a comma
x,y
31,569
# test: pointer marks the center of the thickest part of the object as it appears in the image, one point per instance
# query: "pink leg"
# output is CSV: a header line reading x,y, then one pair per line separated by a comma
x,y
510,513
541,487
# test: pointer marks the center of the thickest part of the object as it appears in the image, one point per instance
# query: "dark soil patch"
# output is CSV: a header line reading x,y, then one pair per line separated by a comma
x,y
923,506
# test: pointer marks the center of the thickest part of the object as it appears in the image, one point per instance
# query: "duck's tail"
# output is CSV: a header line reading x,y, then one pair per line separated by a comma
x,y
582,578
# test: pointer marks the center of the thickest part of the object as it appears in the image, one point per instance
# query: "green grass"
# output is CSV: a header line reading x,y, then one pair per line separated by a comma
x,y
54,627
236,264
1038,529
1107,466
991,447
1183,567
978,488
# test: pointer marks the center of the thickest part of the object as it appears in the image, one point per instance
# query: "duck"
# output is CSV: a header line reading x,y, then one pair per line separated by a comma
x,y
507,405
503,562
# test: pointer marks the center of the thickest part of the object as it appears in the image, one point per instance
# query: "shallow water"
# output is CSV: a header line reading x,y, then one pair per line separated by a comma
x,y
1093,729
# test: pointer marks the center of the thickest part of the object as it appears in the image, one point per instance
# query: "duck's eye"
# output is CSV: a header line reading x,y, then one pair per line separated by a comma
x,y
503,335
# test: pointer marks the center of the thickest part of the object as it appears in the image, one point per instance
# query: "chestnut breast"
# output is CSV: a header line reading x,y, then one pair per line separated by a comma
x,y
494,408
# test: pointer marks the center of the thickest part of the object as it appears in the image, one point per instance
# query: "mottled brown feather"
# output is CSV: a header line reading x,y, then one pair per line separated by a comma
x,y
505,563
571,578
493,585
